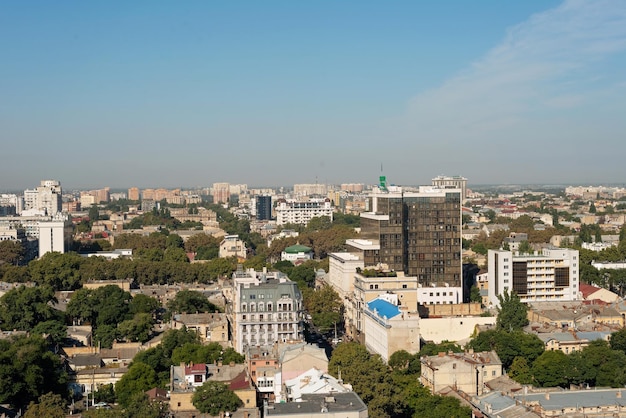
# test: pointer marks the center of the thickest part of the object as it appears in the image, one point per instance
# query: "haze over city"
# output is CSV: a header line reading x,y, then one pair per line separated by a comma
x,y
268,93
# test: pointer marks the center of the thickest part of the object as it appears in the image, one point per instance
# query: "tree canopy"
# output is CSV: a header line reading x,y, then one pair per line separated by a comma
x,y
512,313
215,397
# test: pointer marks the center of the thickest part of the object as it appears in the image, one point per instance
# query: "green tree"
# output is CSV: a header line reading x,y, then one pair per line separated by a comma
x,y
215,397
140,406
50,405
141,303
551,369
525,248
520,371
618,340
28,369
139,328
60,271
25,307
325,306
475,295
508,345
55,329
11,252
139,378
190,301
512,312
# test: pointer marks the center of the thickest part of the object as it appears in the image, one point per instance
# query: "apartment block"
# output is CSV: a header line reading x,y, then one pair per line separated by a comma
x,y
266,308
546,276
301,212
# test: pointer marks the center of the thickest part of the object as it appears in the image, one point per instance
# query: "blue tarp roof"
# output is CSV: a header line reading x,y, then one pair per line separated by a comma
x,y
384,308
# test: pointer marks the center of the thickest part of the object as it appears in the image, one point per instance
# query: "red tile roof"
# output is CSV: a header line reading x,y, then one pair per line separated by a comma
x,y
587,290
195,369
239,382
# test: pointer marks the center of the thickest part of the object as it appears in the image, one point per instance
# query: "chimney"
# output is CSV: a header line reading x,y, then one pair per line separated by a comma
x,y
441,354
547,396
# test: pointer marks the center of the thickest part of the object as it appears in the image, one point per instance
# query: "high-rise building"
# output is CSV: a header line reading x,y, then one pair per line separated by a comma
x,y
264,208
221,192
46,198
133,193
418,233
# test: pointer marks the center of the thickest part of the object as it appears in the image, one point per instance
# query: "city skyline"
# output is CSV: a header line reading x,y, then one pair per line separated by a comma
x,y
176,95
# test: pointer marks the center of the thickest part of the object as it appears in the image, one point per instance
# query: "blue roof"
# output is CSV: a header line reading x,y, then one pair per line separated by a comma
x,y
383,308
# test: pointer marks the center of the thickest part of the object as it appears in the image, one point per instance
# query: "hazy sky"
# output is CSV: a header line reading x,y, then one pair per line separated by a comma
x,y
162,93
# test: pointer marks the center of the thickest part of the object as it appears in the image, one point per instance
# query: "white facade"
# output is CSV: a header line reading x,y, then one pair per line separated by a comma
x,y
46,197
341,270
295,212
549,276
54,235
439,295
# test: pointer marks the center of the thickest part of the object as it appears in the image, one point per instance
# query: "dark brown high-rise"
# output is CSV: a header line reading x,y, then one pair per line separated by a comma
x,y
418,233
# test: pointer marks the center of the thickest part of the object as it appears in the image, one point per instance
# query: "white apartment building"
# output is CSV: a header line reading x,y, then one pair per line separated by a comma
x,y
297,212
266,308
54,235
549,275
46,197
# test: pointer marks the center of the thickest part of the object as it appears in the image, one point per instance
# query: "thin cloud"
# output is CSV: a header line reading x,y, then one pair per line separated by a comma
x,y
551,62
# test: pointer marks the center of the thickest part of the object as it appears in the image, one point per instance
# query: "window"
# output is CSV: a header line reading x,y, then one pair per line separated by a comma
x,y
404,286
197,378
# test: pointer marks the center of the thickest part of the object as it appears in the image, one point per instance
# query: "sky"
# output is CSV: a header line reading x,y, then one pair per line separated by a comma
x,y
271,93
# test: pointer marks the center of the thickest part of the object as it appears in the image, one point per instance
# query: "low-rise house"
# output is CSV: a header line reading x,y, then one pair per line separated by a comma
x,y
297,254
85,361
183,382
91,379
210,327
467,371
233,246
569,342
121,354
593,294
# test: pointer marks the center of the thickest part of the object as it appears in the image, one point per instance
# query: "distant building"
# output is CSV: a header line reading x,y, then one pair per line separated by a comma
x,y
221,192
300,213
310,189
133,193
